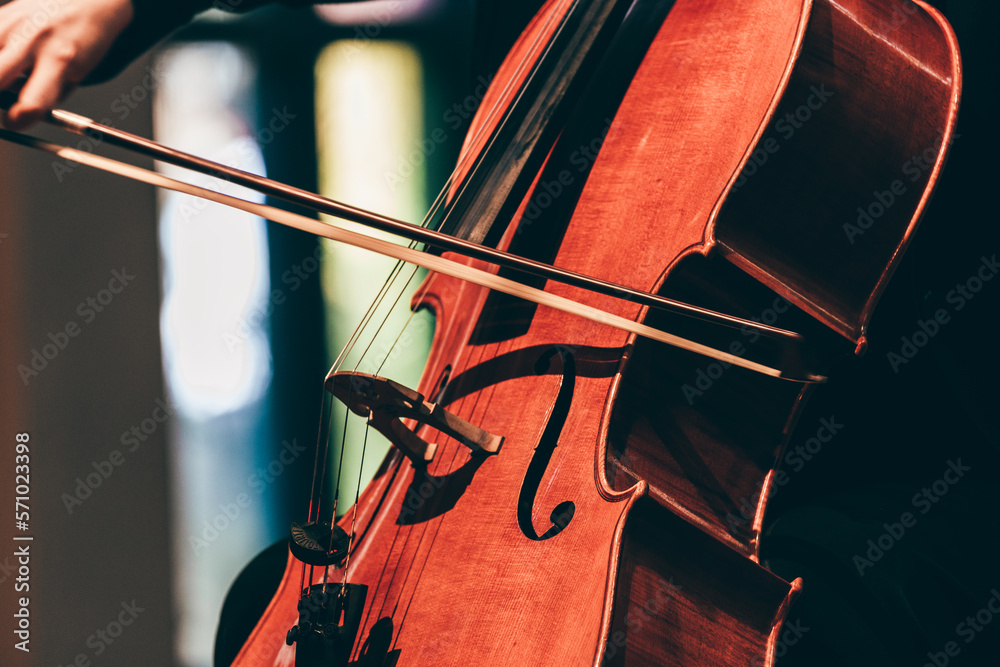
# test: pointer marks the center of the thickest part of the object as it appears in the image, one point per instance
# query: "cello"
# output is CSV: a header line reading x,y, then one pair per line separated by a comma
x,y
677,480
610,506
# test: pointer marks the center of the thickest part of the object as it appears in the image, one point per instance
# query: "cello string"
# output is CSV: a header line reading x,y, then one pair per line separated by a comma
x,y
435,207
319,438
474,358
385,321
387,355
498,106
440,463
393,277
442,195
468,156
434,468
316,203
470,358
432,262
313,499
340,463
354,518
369,313
326,449
372,308
439,466
340,468
465,182
402,329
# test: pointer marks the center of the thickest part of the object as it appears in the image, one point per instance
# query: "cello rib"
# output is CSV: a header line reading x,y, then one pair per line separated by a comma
x,y
853,176
647,568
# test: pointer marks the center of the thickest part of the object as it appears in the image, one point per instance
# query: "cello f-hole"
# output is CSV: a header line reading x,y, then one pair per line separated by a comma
x,y
563,512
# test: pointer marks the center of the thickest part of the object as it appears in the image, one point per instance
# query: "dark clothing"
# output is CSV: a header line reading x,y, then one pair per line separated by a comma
x,y
155,19
497,25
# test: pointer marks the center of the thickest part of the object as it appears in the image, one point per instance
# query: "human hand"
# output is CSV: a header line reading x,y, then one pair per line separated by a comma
x,y
56,43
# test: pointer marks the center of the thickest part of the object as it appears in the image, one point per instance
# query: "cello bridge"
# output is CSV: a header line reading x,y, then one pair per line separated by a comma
x,y
386,403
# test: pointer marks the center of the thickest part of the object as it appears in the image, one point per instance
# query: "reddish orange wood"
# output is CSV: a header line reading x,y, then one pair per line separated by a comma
x,y
655,566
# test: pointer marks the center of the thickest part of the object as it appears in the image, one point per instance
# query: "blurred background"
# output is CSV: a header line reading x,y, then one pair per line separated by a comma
x,y
173,432
167,355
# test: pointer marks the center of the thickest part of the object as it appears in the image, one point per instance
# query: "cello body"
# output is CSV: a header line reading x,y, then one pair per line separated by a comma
x,y
735,163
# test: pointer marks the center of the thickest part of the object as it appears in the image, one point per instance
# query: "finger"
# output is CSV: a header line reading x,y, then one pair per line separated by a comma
x,y
10,19
14,61
43,90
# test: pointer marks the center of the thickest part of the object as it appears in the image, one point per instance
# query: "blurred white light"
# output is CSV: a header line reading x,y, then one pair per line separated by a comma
x,y
216,284
371,150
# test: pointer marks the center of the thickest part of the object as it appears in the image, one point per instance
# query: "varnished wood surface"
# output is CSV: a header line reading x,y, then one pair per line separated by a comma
x,y
877,142
453,579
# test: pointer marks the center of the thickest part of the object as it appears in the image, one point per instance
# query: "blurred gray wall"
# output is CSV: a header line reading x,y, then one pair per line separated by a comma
x,y
99,562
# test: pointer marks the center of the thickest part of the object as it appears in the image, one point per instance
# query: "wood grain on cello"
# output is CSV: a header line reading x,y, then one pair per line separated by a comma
x,y
564,491
639,550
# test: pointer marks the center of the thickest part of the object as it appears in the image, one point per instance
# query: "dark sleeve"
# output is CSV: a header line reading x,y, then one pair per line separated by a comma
x,y
155,19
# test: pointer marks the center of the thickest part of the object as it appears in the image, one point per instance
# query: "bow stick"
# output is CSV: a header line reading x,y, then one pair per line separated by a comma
x,y
790,369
